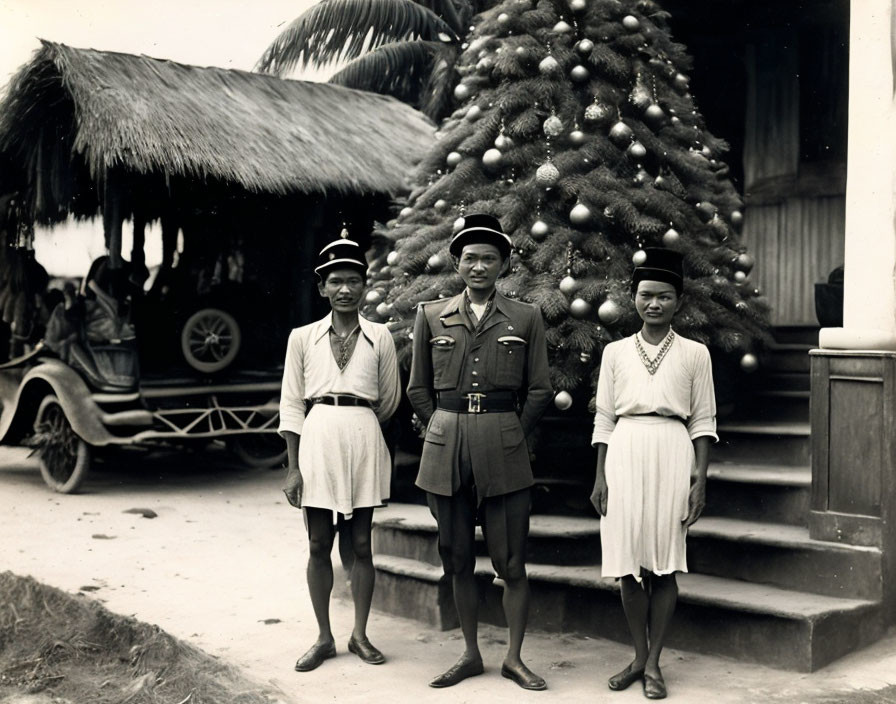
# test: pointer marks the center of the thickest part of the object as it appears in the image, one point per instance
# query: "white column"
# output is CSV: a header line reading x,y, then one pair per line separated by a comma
x,y
869,315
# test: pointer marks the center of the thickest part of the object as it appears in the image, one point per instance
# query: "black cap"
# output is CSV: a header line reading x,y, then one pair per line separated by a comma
x,y
660,265
340,254
480,228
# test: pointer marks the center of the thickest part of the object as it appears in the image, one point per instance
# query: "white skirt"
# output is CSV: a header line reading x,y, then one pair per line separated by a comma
x,y
648,470
344,460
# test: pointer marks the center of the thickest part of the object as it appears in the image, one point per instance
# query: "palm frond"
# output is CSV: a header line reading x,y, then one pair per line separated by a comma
x,y
339,30
436,96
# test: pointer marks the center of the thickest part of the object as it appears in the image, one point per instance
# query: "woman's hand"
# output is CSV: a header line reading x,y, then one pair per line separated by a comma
x,y
293,486
696,502
599,495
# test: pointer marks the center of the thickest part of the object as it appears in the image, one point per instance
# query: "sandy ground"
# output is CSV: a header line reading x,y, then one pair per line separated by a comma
x,y
222,566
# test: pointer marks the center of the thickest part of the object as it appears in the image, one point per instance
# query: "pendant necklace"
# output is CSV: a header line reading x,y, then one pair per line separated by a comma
x,y
654,364
344,345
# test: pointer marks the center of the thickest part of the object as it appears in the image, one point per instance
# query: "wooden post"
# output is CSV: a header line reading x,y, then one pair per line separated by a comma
x,y
112,221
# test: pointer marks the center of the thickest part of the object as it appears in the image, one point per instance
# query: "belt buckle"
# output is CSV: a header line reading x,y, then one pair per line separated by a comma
x,y
474,403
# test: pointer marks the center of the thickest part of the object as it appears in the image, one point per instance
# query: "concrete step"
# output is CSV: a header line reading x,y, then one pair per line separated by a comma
x,y
753,492
784,381
802,334
786,357
776,405
776,627
761,442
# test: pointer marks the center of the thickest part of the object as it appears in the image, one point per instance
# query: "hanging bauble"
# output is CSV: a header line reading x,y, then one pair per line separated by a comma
x,y
579,308
631,23
749,363
639,257
577,137
492,158
636,150
440,205
578,5
659,181
458,224
562,27
641,177
737,218
392,258
579,74
580,214
706,151
462,91
740,276
675,120
563,401
744,261
742,306
548,65
373,296
609,312
597,112
654,113
503,18
640,97
585,357
405,211
706,210
680,81
547,175
435,262
453,159
553,126
503,142
671,237
474,113
539,230
585,47
384,273
621,133
568,285
384,310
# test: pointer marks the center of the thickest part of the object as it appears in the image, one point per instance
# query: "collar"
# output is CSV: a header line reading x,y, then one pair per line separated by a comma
x,y
453,313
322,327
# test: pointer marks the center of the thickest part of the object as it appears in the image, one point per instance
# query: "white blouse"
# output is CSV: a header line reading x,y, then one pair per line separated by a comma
x,y
310,370
682,386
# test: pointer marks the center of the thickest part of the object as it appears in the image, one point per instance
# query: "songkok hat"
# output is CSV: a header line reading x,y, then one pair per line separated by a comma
x,y
479,228
340,254
660,265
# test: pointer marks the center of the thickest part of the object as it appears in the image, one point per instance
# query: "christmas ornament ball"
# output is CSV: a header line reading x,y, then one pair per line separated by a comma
x,y
577,137
609,312
706,210
568,285
597,112
503,142
453,158
539,230
562,27
636,150
492,158
441,204
578,5
740,276
654,113
392,258
547,175
435,262
744,261
680,82
579,74
620,132
563,401
553,126
671,237
462,91
548,65
503,18
580,214
585,357
631,23
373,296
404,212
737,218
579,308
640,97
749,363
384,310
474,113
639,257
585,47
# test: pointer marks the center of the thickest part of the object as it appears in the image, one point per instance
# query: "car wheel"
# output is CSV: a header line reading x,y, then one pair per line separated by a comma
x,y
64,458
210,340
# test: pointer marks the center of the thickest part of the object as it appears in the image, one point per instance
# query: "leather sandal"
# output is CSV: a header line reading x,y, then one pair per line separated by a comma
x,y
316,654
654,687
524,677
623,680
365,650
458,673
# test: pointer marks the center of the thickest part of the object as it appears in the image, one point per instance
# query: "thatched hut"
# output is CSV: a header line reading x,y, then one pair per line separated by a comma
x,y
236,163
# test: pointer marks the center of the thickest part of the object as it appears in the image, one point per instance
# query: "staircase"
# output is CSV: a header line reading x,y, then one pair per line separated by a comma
x,y
758,588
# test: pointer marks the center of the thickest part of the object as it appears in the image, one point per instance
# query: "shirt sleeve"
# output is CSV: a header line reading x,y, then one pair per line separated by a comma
x,y
605,404
292,390
389,386
420,385
539,391
702,420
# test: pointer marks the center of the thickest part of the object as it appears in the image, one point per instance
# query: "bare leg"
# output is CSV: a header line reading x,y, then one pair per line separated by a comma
x,y
320,568
363,575
663,598
635,603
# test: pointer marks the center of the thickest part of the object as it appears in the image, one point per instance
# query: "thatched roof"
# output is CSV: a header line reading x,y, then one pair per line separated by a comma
x,y
75,114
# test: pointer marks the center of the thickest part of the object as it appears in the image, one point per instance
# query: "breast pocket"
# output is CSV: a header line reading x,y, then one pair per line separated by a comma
x,y
442,347
510,361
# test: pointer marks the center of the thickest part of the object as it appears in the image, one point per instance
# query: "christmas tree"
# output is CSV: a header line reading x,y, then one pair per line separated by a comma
x,y
575,127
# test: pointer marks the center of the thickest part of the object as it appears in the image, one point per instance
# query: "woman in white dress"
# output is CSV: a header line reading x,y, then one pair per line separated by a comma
x,y
655,417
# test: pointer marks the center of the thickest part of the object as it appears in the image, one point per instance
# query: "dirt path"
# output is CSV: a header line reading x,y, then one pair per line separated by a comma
x,y
221,565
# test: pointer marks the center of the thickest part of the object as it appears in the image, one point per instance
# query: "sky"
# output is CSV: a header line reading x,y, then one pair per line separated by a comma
x,y
225,33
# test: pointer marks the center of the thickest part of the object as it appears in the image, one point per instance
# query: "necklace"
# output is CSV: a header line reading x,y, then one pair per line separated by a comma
x,y
654,364
345,347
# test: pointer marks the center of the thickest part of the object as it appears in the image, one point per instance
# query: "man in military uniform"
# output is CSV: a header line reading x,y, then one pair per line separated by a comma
x,y
480,382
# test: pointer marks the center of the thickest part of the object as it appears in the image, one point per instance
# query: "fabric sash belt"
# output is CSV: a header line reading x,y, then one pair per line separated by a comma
x,y
491,402
338,400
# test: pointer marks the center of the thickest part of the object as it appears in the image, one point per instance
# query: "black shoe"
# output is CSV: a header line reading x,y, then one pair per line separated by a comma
x,y
623,680
365,650
654,687
524,677
316,654
457,673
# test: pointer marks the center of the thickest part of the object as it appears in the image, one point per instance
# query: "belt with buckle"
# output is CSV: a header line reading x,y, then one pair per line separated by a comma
x,y
491,402
338,400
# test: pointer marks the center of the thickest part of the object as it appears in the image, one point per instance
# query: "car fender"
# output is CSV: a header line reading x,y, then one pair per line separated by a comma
x,y
53,376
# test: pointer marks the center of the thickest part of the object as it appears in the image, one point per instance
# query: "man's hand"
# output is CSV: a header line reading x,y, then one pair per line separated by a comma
x,y
293,486
696,502
599,495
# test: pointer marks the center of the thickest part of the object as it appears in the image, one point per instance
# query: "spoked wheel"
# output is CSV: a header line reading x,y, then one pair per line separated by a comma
x,y
64,458
260,450
210,340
